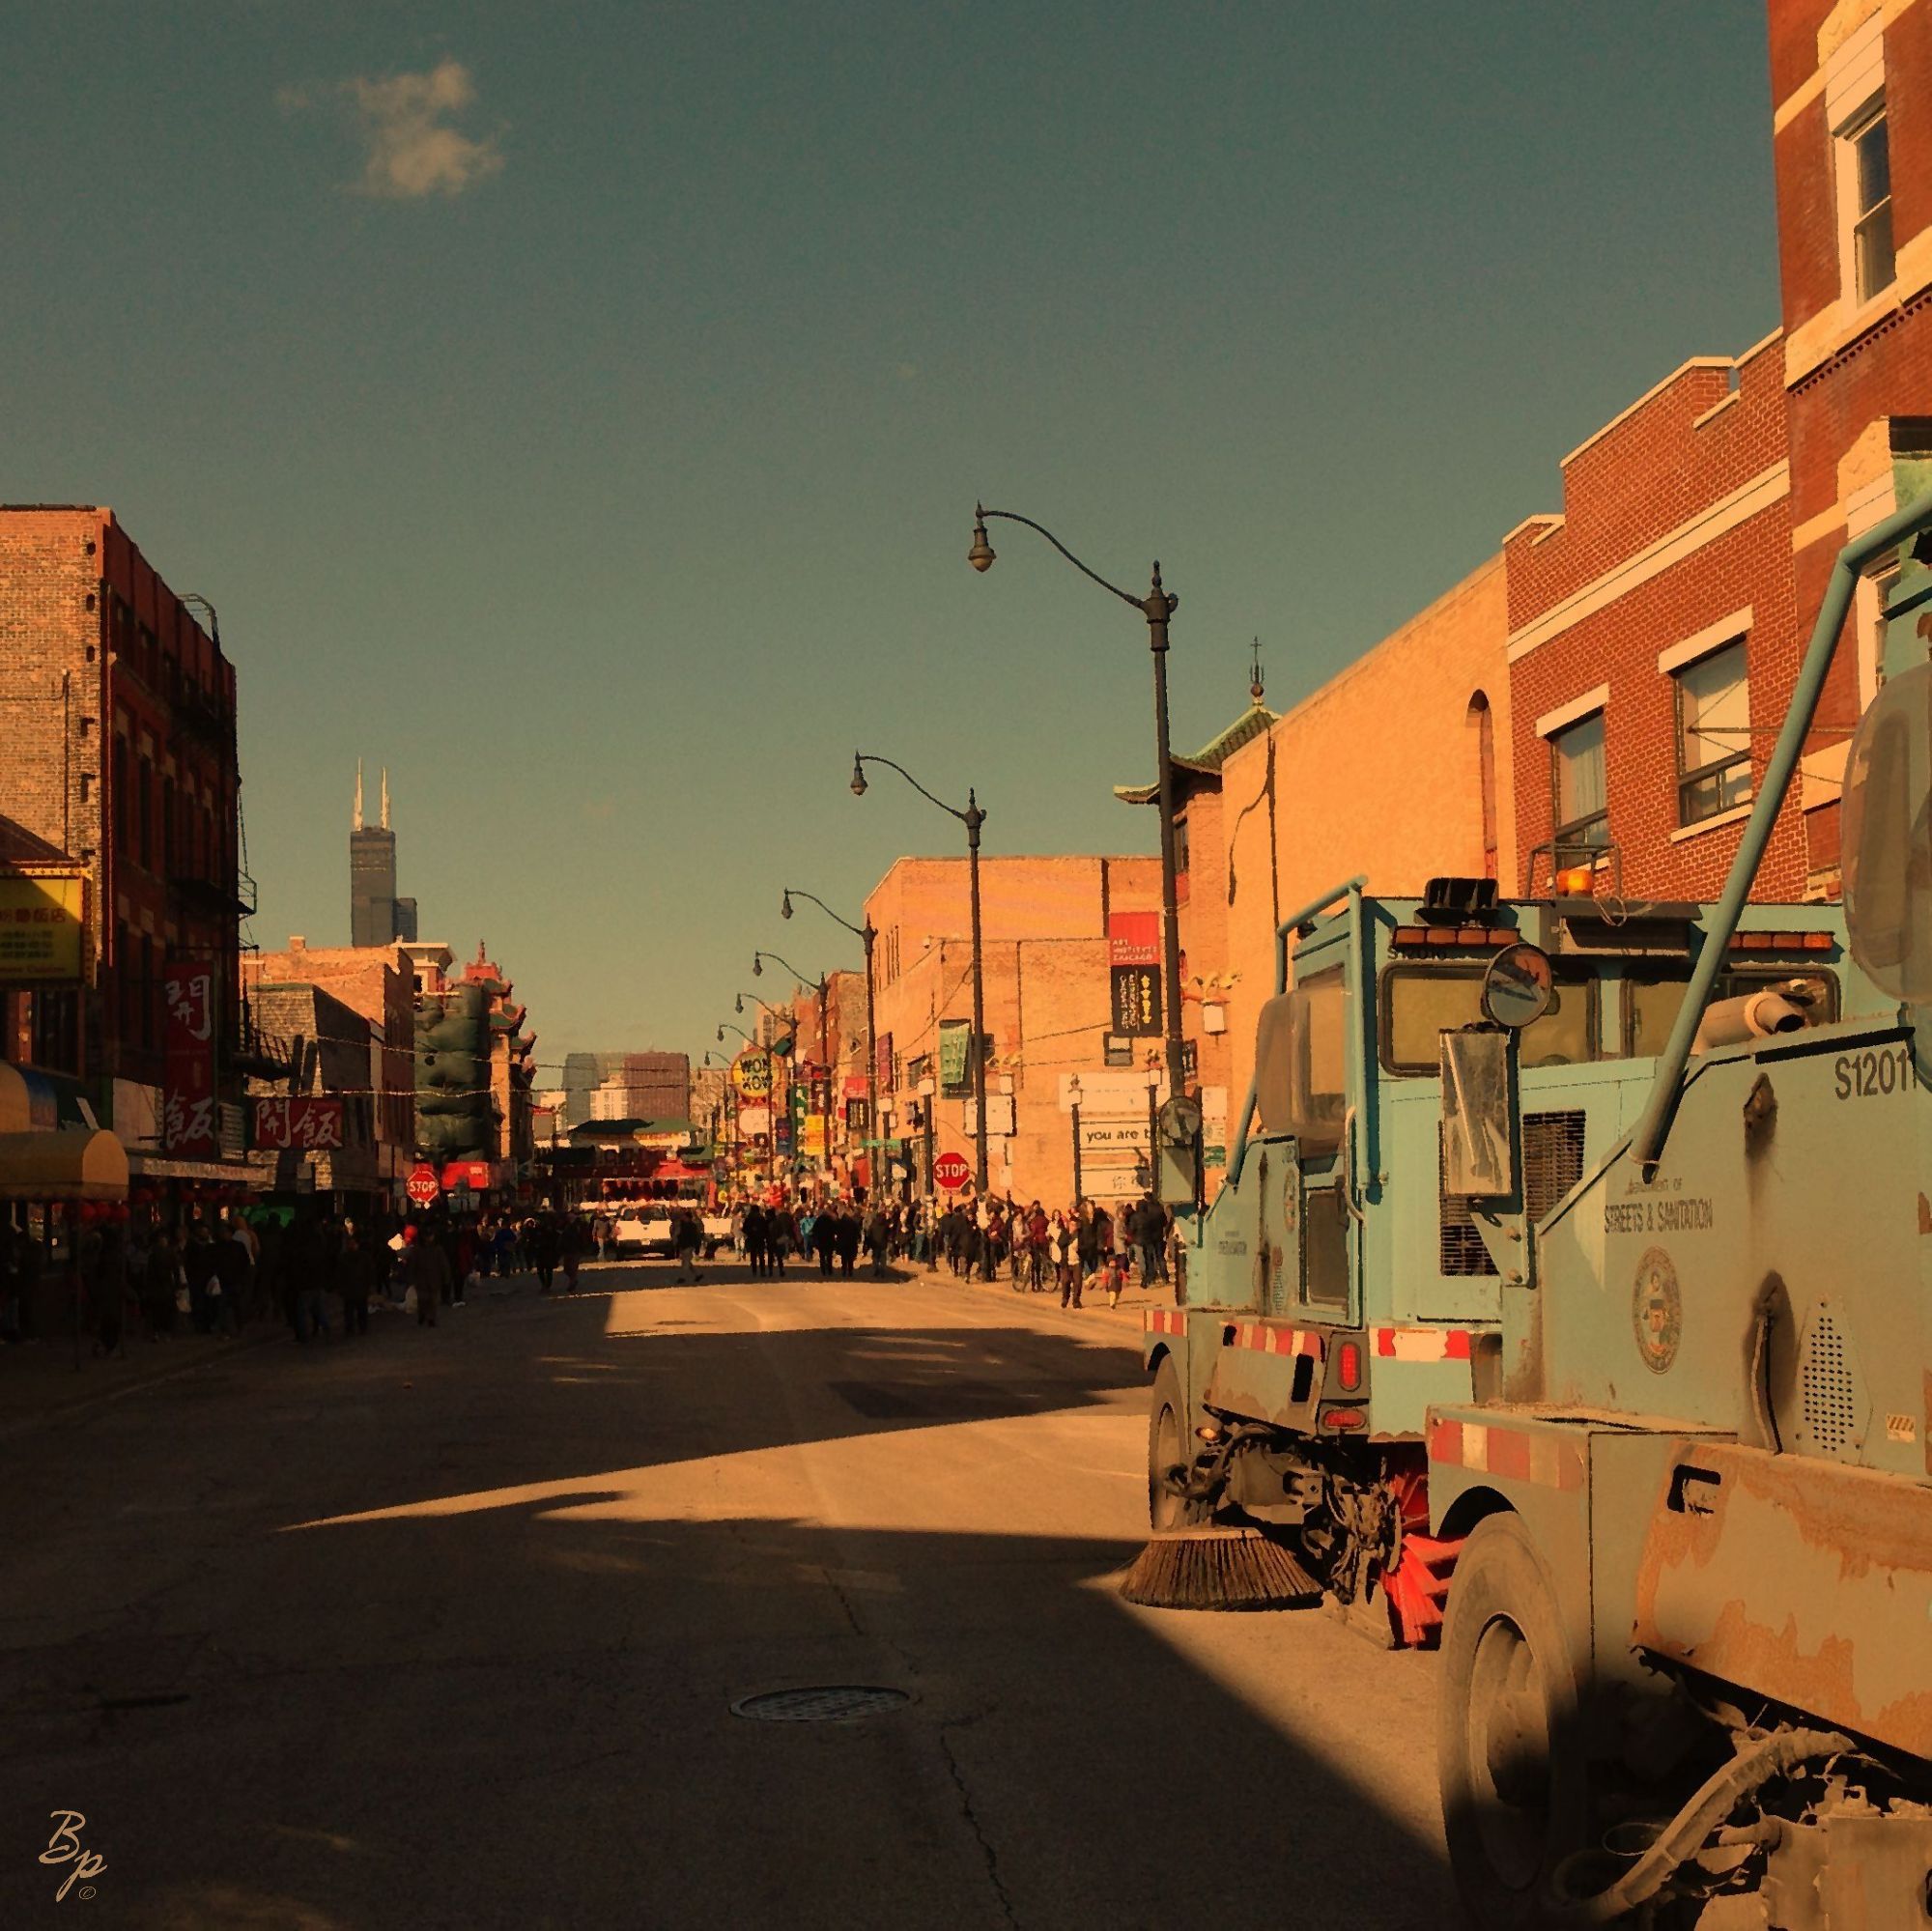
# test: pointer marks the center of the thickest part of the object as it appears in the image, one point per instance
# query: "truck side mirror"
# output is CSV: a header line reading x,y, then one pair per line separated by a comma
x,y
1478,1145
1178,1153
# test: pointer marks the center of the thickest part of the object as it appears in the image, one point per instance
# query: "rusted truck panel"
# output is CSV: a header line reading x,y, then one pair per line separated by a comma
x,y
1811,1580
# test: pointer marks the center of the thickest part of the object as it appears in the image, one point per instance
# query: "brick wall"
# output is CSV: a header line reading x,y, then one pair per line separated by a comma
x,y
77,598
1675,516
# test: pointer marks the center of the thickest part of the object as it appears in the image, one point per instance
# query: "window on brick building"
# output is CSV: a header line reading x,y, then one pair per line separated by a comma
x,y
1580,787
143,806
1713,771
168,825
1864,160
120,794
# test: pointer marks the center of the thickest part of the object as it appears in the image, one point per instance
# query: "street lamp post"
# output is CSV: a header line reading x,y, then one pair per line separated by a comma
x,y
971,818
1157,606
821,985
865,934
1154,1121
1074,1095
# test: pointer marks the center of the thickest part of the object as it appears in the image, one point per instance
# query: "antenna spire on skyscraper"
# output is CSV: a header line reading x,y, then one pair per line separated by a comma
x,y
357,825
385,797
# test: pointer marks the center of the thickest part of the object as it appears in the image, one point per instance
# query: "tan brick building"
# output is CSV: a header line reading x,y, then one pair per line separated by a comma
x,y
1048,1014
1398,768
377,983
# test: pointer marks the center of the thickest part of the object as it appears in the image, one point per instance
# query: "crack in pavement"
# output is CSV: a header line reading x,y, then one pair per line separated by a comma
x,y
979,1829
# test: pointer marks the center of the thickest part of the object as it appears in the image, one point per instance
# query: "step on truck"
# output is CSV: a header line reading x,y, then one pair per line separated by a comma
x,y
1568,1304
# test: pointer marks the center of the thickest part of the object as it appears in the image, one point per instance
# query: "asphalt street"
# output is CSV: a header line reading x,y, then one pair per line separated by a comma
x,y
447,1628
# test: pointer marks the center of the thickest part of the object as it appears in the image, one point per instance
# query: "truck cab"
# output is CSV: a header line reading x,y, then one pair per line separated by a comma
x,y
1339,1287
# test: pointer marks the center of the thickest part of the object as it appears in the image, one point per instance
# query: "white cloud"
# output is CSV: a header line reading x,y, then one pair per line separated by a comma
x,y
406,119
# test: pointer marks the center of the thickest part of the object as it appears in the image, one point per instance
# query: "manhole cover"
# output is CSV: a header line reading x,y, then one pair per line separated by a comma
x,y
835,1703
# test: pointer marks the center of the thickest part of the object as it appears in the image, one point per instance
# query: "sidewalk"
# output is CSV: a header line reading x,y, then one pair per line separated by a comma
x,y
1134,1302
40,1382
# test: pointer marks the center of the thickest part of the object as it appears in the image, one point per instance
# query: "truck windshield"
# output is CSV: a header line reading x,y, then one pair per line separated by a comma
x,y
1651,1005
1421,1002
1887,838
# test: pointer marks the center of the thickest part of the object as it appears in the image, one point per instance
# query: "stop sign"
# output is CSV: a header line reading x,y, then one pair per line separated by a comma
x,y
952,1171
422,1186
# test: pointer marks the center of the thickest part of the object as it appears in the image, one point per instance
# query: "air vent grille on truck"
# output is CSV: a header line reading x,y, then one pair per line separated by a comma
x,y
1829,1392
1553,1160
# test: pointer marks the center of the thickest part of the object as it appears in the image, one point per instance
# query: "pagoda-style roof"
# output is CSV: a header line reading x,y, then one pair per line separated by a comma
x,y
1207,762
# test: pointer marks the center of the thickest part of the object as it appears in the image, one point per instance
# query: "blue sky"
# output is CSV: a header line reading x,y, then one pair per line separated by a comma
x,y
580,409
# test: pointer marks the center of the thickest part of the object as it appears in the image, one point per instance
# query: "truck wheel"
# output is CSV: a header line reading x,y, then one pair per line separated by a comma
x,y
1168,1442
1510,1763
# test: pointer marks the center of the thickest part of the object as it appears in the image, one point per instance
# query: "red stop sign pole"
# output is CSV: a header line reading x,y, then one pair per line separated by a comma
x,y
422,1186
952,1171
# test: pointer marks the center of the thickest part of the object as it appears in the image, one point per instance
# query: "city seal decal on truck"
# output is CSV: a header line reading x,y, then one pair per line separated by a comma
x,y
1656,1311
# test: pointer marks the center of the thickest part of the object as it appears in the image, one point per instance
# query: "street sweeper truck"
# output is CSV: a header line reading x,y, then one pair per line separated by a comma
x,y
1567,1304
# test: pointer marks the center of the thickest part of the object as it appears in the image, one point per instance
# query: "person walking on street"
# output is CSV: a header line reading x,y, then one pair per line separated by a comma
x,y
1074,1270
878,1240
846,1234
425,1268
543,1246
758,1250
824,1237
301,1257
687,1236
354,1280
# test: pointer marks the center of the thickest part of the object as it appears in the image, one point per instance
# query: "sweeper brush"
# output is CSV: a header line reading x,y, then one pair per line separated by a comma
x,y
1217,1568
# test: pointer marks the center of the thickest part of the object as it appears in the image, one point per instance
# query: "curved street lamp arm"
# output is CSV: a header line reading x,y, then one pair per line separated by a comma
x,y
756,1001
857,932
1010,516
804,979
873,757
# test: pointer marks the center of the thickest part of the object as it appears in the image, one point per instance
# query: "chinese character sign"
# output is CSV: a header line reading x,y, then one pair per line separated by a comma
x,y
190,1123
301,1123
41,927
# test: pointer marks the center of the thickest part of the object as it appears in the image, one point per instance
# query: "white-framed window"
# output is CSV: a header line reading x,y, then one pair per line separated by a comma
x,y
1714,767
1580,787
1864,201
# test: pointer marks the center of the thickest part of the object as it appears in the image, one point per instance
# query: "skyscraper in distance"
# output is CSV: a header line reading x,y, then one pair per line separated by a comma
x,y
377,917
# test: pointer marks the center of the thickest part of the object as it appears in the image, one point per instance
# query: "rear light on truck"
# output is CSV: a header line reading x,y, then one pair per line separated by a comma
x,y
1344,1419
1348,1366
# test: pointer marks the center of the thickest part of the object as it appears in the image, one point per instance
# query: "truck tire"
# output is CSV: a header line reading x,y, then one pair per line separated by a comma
x,y
1510,1764
1168,1442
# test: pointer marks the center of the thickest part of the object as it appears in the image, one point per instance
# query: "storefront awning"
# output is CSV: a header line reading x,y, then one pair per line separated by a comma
x,y
62,1166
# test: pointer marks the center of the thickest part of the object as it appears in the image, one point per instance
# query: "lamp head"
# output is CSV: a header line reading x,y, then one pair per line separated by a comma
x,y
738,1004
784,910
757,965
982,554
720,1035
858,775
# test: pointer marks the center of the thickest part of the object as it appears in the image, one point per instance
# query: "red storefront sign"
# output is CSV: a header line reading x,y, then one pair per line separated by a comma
x,y
1133,938
471,1174
299,1122
191,1122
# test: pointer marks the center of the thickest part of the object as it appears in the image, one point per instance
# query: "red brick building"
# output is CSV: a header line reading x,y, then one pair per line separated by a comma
x,y
1657,624
1852,144
119,748
1653,639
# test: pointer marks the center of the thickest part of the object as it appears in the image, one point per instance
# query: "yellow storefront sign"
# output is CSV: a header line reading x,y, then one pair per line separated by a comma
x,y
39,927
752,1076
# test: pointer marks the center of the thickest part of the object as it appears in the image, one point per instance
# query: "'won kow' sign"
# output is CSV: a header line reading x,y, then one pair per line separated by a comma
x,y
292,1122
190,1123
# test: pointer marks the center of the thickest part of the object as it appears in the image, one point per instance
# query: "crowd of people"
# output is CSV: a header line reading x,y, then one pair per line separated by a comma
x,y
315,1271
220,1272
1068,1250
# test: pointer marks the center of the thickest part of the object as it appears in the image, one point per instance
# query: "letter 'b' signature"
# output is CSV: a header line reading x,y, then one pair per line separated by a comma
x,y
65,1847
